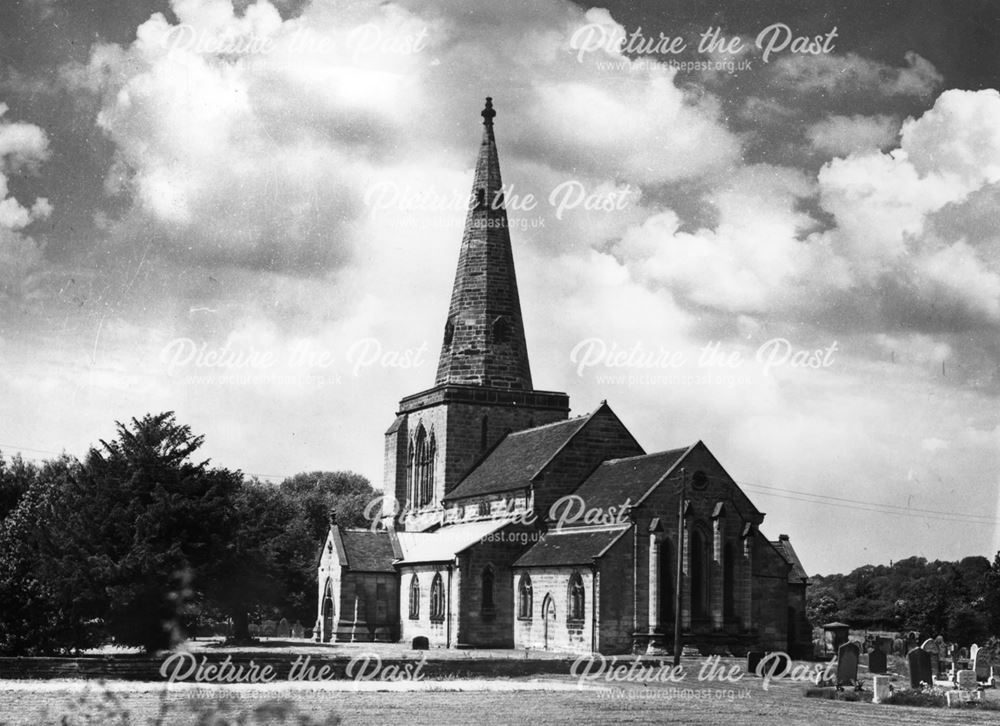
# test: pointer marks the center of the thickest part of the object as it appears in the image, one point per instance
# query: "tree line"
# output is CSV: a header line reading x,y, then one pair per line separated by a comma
x,y
957,600
140,543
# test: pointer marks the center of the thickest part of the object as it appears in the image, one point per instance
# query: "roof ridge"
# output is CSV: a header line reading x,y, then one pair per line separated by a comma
x,y
584,528
646,456
548,425
363,529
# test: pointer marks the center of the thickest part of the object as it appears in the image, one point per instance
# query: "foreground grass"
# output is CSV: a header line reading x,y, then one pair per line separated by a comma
x,y
146,704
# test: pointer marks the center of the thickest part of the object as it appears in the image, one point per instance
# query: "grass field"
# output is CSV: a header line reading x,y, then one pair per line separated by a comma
x,y
551,699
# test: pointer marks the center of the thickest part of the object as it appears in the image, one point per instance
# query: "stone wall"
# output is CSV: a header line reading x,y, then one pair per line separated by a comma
x,y
459,429
770,595
603,437
439,632
480,626
563,634
615,604
720,526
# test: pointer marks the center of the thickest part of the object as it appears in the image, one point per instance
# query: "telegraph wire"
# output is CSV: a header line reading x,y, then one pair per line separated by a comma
x,y
872,507
862,505
851,501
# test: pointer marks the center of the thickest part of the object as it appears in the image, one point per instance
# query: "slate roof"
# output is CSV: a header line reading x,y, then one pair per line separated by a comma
x,y
368,551
570,547
797,574
617,480
443,544
517,459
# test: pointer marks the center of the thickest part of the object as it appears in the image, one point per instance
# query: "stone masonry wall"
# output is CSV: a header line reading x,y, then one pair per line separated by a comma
x,y
563,634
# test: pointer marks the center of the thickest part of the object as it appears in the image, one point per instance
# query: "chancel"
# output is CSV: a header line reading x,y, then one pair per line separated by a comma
x,y
481,465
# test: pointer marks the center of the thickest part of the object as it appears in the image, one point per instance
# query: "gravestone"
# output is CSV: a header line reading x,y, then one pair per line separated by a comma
x,y
877,661
930,647
847,664
882,689
754,657
297,630
884,644
781,662
966,680
980,665
919,661
284,629
963,653
421,643
899,647
267,628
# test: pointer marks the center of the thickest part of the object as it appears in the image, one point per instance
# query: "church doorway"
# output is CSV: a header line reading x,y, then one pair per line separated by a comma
x,y
549,620
328,614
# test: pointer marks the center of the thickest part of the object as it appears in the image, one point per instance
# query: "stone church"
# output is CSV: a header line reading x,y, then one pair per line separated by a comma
x,y
520,526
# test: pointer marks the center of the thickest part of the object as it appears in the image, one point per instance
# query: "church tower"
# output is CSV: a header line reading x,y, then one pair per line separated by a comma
x,y
483,387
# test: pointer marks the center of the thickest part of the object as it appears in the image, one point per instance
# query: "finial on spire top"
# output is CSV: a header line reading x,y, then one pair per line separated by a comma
x,y
488,112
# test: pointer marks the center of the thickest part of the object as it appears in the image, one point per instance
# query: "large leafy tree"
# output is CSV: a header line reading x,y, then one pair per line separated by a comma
x,y
128,544
115,547
991,597
41,608
313,497
16,477
150,523
248,575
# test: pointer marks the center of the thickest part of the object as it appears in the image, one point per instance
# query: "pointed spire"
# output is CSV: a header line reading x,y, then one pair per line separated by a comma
x,y
484,333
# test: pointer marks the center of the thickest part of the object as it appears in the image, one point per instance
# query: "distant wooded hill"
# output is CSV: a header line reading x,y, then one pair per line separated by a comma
x,y
958,600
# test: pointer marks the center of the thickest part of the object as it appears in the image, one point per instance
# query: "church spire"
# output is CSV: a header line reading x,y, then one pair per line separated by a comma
x,y
484,333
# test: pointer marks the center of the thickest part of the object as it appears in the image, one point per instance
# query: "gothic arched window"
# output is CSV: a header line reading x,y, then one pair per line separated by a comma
x,y
668,573
414,597
437,598
524,604
576,597
410,466
728,582
420,477
427,472
487,590
700,573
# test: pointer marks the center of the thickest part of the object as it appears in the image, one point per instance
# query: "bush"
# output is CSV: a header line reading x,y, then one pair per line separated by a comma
x,y
933,697
832,694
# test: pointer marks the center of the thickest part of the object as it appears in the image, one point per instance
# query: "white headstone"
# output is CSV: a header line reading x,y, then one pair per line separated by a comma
x,y
882,689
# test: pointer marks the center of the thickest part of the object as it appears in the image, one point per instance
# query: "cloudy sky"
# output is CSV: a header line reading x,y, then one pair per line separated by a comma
x,y
786,245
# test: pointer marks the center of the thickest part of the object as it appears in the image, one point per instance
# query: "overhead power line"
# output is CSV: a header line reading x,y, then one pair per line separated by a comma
x,y
874,507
